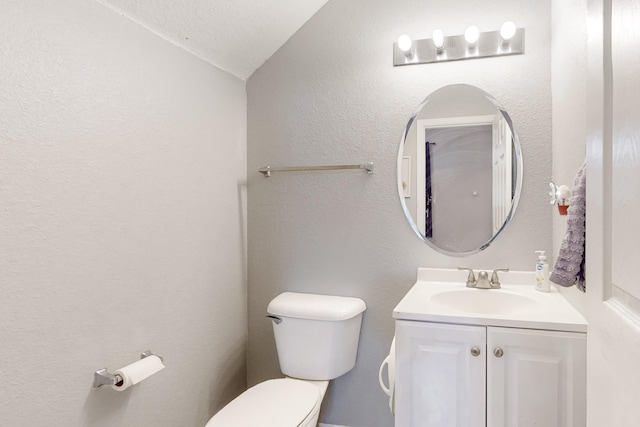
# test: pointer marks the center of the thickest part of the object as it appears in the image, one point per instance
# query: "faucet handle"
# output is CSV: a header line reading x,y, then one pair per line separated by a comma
x,y
495,280
471,278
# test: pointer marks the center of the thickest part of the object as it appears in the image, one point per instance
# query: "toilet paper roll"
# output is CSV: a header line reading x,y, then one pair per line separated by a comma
x,y
138,371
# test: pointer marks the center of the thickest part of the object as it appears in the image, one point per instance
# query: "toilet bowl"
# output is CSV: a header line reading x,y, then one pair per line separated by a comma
x,y
274,403
317,340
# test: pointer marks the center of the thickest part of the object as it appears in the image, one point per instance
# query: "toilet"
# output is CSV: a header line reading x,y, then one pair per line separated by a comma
x,y
317,341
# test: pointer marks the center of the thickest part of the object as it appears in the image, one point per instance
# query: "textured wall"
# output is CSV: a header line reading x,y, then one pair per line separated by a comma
x,y
331,95
122,168
569,88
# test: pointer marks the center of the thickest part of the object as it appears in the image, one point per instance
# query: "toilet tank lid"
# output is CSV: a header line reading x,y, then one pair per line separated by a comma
x,y
315,307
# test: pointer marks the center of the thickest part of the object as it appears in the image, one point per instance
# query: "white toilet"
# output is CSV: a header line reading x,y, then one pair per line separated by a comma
x,y
317,341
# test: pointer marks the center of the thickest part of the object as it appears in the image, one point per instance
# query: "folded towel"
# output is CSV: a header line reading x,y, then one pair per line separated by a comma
x,y
569,268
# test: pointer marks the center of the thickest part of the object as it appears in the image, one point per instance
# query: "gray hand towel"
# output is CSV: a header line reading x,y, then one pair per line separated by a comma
x,y
569,268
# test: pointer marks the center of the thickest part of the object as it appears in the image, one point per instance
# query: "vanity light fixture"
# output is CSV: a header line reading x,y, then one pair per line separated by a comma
x,y
509,40
405,45
507,31
438,40
471,36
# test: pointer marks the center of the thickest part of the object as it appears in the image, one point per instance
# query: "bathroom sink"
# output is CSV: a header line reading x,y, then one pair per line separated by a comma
x,y
440,295
483,301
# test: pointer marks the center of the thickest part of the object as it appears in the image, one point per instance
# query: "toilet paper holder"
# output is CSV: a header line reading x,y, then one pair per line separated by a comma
x,y
103,377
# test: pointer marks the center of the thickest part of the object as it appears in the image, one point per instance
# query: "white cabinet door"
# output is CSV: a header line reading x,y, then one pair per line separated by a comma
x,y
439,382
538,380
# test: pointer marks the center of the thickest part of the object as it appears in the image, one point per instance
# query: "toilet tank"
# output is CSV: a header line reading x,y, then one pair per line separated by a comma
x,y
317,337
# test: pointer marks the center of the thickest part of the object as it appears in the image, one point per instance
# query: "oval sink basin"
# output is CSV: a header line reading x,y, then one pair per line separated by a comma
x,y
481,301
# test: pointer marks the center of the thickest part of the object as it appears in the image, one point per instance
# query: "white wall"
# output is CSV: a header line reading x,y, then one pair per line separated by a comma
x,y
331,96
569,89
122,169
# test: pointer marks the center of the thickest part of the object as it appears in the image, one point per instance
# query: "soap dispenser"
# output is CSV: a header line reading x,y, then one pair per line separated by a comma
x,y
542,273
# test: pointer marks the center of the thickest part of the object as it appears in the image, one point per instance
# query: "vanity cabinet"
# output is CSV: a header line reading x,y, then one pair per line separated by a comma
x,y
450,375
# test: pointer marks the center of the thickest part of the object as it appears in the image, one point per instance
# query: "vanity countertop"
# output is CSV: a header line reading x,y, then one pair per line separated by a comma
x,y
441,295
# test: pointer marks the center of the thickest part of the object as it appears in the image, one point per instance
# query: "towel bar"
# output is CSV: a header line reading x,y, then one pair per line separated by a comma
x,y
266,170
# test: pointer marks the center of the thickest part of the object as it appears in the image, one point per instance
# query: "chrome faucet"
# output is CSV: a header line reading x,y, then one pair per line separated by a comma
x,y
471,278
495,280
483,282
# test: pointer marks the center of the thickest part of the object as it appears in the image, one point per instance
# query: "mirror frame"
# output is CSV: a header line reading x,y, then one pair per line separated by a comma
x,y
517,152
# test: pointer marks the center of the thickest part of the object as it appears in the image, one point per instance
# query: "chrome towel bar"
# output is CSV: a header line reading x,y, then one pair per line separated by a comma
x,y
266,170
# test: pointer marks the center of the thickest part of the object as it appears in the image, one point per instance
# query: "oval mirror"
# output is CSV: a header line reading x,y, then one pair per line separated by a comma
x,y
459,170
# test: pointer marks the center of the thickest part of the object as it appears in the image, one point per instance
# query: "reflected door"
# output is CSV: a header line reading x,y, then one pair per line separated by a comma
x,y
460,186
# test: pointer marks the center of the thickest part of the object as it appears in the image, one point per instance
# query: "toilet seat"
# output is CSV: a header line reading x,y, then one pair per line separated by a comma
x,y
283,402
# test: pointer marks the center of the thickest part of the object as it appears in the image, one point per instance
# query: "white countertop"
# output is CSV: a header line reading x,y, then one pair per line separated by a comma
x,y
548,311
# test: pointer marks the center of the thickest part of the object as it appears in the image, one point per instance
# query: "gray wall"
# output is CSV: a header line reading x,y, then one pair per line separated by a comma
x,y
331,96
122,167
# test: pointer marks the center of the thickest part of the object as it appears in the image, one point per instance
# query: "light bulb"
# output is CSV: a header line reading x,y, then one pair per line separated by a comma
x,y
438,40
507,31
404,43
471,35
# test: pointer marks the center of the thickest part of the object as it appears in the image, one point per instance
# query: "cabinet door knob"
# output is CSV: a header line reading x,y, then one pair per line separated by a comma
x,y
475,351
498,352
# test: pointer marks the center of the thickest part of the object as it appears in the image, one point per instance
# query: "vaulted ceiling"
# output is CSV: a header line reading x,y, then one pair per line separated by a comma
x,y
235,35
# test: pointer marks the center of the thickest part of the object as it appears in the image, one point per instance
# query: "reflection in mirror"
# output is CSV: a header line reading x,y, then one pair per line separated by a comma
x,y
459,170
